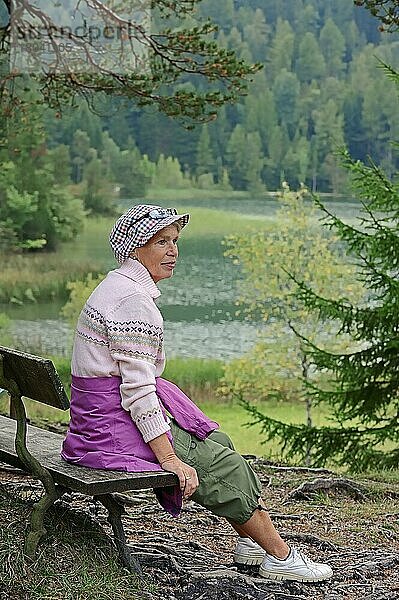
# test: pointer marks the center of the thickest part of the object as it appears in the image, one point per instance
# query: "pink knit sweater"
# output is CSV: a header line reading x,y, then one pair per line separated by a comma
x,y
120,333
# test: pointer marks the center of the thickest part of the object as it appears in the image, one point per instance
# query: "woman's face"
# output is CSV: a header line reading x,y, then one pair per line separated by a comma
x,y
160,253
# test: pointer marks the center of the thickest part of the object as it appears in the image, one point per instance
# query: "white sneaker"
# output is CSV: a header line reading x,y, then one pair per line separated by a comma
x,y
297,567
248,552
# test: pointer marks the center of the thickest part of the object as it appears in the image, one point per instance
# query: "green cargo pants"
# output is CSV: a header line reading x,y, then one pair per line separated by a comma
x,y
228,487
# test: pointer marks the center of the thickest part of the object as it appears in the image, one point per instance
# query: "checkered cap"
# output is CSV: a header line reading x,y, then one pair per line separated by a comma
x,y
134,228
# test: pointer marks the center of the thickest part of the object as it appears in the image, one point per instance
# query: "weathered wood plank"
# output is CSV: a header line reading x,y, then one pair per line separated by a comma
x,y
46,446
36,377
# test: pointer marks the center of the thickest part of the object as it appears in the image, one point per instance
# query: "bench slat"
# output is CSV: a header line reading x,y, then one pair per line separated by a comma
x,y
36,377
46,447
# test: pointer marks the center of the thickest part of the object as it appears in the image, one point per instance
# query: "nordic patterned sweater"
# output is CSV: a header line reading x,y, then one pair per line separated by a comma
x,y
120,333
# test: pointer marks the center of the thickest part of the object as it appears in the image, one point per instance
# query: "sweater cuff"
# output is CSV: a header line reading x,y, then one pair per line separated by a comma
x,y
151,424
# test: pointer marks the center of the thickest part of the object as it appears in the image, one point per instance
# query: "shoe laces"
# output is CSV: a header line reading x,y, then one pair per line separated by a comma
x,y
309,562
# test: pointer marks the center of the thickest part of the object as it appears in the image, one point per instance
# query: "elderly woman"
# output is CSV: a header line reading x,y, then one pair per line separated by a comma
x,y
125,416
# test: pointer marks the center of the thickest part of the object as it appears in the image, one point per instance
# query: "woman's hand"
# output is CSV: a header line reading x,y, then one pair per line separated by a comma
x,y
187,475
163,450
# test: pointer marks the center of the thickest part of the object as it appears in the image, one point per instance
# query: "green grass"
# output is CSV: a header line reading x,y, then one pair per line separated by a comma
x,y
233,418
76,560
43,277
38,414
196,376
208,222
92,243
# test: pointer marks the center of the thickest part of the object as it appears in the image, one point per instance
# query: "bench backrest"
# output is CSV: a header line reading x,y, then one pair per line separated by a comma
x,y
35,376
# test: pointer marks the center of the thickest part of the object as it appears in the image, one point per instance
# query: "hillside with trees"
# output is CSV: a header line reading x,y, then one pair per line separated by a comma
x,y
319,89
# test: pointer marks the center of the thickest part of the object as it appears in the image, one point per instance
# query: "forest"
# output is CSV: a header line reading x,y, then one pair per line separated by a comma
x,y
320,88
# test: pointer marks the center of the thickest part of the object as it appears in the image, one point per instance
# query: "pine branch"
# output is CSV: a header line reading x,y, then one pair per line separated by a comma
x,y
364,387
378,279
148,63
327,309
391,73
367,404
354,238
373,321
352,446
365,365
371,184
385,11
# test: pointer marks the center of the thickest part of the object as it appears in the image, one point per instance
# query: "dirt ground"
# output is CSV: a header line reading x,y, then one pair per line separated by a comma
x,y
352,525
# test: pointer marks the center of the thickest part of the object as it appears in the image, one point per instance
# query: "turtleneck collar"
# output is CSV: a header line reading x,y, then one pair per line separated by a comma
x,y
135,270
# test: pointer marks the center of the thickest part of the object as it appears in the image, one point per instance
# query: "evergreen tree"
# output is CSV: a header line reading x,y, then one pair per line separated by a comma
x,y
219,131
280,55
98,195
129,174
310,63
245,160
258,113
278,148
35,210
17,209
236,41
109,155
286,90
256,34
234,153
297,161
379,105
342,12
168,174
328,137
81,154
364,390
332,45
355,40
61,161
254,161
221,12
273,10
61,126
354,131
308,20
121,122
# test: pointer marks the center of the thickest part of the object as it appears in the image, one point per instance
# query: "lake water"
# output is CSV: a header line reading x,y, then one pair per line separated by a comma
x,y
198,303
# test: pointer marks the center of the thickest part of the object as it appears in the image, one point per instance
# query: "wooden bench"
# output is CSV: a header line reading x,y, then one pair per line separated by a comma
x,y
37,451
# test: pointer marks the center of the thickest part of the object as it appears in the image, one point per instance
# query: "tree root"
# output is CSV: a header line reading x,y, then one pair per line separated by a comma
x,y
322,485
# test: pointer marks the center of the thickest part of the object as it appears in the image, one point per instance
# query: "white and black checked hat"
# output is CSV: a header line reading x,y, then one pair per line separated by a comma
x,y
139,224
